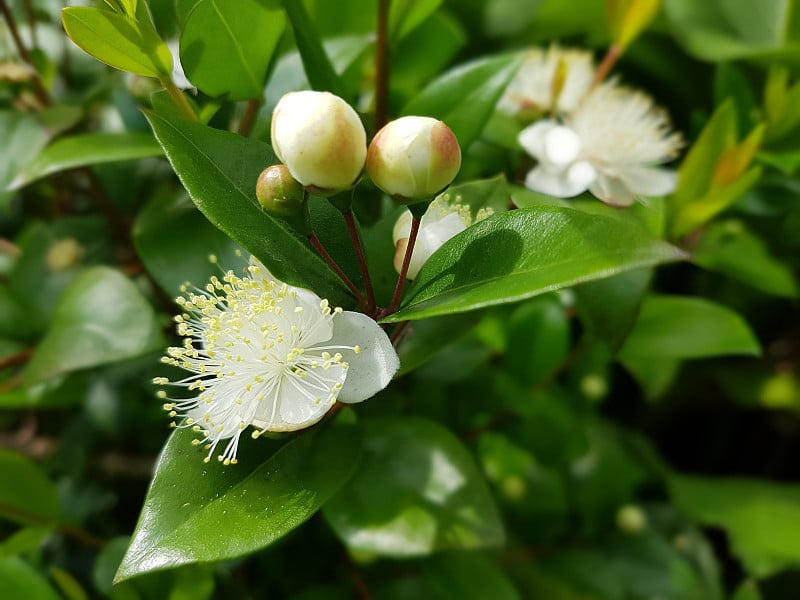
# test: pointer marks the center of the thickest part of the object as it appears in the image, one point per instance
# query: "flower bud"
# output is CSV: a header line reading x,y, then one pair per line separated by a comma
x,y
320,138
413,158
278,193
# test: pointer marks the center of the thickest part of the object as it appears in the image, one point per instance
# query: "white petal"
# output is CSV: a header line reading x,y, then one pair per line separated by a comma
x,y
650,181
258,271
532,138
561,146
612,190
402,227
373,368
556,183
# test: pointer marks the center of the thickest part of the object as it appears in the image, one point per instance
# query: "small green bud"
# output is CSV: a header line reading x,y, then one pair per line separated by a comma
x,y
278,193
413,158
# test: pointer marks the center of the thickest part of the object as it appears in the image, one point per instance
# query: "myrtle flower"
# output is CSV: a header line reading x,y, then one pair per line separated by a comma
x,y
269,355
442,220
552,80
611,145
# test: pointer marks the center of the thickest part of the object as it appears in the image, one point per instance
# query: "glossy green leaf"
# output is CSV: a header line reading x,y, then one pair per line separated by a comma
x,y
416,491
23,138
729,248
33,498
19,580
609,307
23,541
319,70
467,576
174,241
219,170
201,512
101,318
245,33
425,339
86,150
524,253
760,518
118,40
465,97
685,327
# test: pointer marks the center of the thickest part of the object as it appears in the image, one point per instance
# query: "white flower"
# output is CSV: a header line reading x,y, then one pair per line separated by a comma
x,y
441,221
611,145
178,76
265,354
549,80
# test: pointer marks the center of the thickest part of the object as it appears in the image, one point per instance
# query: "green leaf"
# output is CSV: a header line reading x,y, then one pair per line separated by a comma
x,y
219,170
118,40
174,241
609,307
729,248
406,15
245,33
416,491
201,512
101,318
32,499
697,168
23,138
467,576
685,327
747,591
524,253
465,97
538,339
85,150
319,70
19,580
761,519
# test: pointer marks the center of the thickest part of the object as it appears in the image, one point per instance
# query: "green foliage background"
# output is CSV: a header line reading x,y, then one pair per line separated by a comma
x,y
593,403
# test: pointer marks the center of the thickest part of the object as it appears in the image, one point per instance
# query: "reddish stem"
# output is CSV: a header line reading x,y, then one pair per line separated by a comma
x,y
609,60
312,237
362,259
401,279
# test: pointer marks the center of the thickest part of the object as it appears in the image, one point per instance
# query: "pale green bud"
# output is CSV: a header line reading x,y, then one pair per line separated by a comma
x,y
320,138
413,158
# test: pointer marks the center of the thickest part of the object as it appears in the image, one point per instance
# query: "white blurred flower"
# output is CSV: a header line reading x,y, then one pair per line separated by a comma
x,y
552,80
441,221
611,145
265,354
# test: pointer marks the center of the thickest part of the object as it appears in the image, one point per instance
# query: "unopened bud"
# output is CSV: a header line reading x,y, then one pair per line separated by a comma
x,y
278,193
64,254
413,158
631,519
320,138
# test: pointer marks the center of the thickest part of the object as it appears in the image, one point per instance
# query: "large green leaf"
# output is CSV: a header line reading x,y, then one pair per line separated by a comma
x,y
762,519
526,252
465,97
685,327
416,491
538,339
87,149
101,318
28,496
219,170
201,512
245,33
118,40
